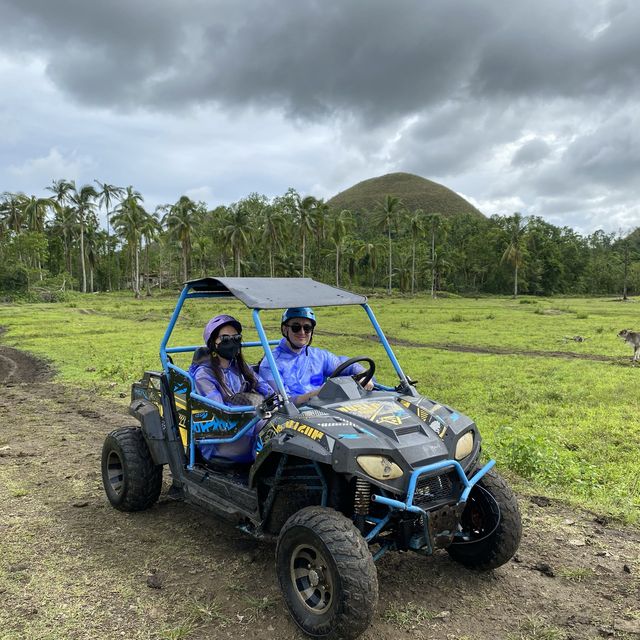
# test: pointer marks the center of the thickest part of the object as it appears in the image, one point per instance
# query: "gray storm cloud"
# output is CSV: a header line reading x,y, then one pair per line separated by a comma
x,y
458,81
376,59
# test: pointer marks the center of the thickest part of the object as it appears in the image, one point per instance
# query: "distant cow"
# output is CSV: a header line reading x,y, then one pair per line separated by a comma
x,y
633,339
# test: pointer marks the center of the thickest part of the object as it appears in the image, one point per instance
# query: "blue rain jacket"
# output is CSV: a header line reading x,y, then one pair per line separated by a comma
x,y
243,449
304,371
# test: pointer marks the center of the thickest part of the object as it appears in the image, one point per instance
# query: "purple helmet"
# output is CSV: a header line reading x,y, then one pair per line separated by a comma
x,y
215,324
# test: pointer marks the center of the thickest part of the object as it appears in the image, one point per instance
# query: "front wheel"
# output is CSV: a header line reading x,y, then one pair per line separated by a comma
x,y
491,525
131,480
327,574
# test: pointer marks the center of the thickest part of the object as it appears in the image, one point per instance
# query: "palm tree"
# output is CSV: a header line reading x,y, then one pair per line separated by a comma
x,y
180,222
4,232
92,240
416,227
305,208
107,194
35,210
516,228
272,232
201,250
213,225
438,264
12,208
61,190
340,225
369,251
128,219
65,216
149,231
83,202
403,271
321,213
434,221
237,232
66,221
387,217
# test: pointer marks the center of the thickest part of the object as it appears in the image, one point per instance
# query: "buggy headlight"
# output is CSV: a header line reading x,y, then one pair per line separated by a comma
x,y
379,467
464,446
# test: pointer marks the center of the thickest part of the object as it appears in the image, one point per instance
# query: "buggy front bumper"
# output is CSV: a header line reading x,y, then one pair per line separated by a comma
x,y
468,484
424,542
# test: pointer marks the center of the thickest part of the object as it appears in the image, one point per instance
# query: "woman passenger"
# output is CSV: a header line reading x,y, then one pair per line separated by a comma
x,y
221,375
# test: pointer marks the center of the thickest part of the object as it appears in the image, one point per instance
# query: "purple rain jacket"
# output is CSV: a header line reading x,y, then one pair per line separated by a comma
x,y
244,449
303,371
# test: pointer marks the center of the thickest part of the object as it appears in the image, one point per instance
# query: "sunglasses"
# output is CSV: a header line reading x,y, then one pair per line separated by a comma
x,y
295,327
236,338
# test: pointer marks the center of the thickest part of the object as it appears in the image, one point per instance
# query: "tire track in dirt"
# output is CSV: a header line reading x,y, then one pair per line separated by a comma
x,y
19,366
8,368
465,348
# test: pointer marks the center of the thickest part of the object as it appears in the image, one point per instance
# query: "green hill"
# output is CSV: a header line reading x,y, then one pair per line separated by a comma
x,y
414,191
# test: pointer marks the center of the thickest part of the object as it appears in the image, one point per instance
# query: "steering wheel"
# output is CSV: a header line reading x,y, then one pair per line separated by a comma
x,y
361,378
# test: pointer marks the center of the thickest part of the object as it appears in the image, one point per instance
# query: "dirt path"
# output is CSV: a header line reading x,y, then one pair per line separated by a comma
x,y
73,567
17,366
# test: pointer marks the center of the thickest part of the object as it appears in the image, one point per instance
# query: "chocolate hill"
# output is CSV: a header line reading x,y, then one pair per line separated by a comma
x,y
414,191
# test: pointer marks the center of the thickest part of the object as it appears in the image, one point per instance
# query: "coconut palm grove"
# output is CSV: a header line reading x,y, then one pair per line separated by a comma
x,y
398,233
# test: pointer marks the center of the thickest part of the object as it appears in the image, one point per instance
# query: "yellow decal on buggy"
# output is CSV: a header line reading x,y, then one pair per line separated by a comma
x,y
404,403
304,429
380,412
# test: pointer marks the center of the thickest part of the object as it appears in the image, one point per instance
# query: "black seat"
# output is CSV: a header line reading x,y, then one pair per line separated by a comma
x,y
200,354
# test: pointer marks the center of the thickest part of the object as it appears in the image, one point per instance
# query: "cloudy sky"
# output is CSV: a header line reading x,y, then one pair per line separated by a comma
x,y
518,105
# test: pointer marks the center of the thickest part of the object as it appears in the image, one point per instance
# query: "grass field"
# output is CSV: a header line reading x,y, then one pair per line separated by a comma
x,y
562,416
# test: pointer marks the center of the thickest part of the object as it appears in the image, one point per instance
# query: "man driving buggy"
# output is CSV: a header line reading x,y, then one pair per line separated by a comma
x,y
303,368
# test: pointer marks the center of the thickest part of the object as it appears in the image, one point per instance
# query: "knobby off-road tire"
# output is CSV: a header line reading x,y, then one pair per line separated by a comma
x,y
131,480
327,574
480,517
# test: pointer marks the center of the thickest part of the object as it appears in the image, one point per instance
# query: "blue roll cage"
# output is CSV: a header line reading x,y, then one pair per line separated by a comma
x,y
167,366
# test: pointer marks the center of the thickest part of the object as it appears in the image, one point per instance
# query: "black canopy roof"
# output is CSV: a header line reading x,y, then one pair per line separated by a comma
x,y
277,293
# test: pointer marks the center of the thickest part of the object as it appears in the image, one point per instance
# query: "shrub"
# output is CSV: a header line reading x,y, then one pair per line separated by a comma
x,y
14,279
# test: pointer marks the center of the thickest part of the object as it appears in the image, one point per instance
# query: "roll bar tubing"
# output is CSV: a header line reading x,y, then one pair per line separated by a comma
x,y
264,342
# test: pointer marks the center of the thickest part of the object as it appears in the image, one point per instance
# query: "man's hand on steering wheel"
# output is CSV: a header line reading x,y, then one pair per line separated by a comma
x,y
363,378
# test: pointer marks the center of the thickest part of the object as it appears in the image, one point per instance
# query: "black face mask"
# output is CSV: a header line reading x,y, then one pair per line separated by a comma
x,y
229,348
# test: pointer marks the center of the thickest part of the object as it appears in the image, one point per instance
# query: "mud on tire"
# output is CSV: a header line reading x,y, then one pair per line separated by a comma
x,y
327,574
131,479
498,531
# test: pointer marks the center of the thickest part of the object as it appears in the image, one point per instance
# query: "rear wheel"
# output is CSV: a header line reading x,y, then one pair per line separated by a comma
x,y
327,574
131,480
491,521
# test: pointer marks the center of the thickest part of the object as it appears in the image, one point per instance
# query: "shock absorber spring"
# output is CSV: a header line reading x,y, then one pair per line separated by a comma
x,y
362,497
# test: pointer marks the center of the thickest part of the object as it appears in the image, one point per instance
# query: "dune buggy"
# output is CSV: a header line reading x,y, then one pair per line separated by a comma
x,y
338,482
